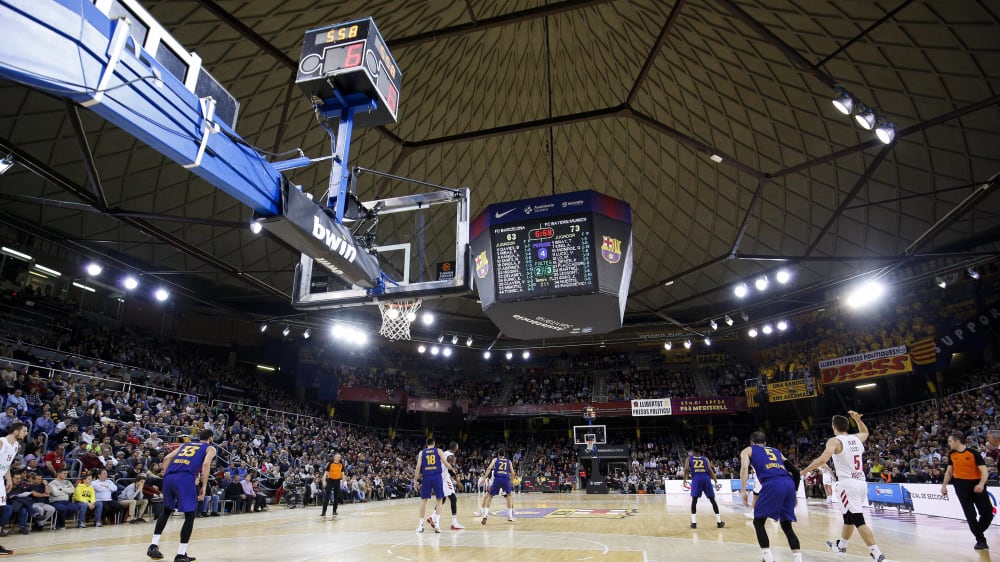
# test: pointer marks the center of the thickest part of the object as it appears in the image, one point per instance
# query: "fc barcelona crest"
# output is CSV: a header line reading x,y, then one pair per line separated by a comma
x,y
482,265
611,249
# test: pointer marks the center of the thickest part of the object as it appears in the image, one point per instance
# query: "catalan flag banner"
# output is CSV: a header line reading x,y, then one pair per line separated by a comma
x,y
924,352
752,397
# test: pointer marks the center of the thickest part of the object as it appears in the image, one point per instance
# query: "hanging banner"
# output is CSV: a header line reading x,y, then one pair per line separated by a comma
x,y
791,390
873,364
655,407
694,406
970,333
711,359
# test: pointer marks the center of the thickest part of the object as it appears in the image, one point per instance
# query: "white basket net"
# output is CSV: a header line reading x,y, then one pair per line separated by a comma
x,y
397,316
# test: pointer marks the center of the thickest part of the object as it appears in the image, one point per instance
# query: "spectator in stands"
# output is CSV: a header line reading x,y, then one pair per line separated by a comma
x,y
7,417
133,501
91,461
44,424
106,505
247,494
19,503
16,399
42,511
60,497
212,503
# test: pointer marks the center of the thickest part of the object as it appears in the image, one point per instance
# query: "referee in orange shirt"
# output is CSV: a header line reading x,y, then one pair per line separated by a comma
x,y
967,469
334,472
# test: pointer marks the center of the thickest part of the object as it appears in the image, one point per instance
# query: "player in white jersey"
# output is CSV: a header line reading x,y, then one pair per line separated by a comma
x,y
828,481
9,447
449,490
847,451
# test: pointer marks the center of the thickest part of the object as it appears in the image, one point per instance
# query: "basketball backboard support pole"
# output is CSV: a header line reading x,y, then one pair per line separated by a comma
x,y
460,283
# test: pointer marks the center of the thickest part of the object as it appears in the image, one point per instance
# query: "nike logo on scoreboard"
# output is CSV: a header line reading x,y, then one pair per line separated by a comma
x,y
500,215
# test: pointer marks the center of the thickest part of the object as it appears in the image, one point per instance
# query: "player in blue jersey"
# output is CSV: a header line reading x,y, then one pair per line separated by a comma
x,y
703,481
503,471
430,464
777,493
188,463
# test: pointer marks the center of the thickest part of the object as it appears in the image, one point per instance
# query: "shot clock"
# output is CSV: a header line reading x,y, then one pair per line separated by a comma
x,y
351,58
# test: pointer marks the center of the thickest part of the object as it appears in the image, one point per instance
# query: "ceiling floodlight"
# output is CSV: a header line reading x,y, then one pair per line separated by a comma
x,y
525,354
286,331
865,118
708,341
130,283
782,325
161,295
487,354
729,321
713,324
435,350
886,132
973,274
687,344
421,348
767,329
761,283
844,102
668,346
783,276
306,334
454,340
427,318
752,332
446,352
256,226
740,290
263,327
509,355
468,342
865,295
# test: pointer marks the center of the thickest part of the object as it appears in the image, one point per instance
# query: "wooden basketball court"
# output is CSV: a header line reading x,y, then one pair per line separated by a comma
x,y
549,527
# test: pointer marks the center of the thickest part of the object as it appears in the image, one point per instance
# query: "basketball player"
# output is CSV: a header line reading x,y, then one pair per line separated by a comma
x,y
703,482
430,463
449,490
850,488
967,470
827,482
9,447
334,472
503,471
185,465
777,493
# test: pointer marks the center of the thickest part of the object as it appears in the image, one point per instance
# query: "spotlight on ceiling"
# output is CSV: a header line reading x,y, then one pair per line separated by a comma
x,y
130,283
865,118
973,274
509,355
446,352
435,350
729,321
843,102
428,318
286,331
687,344
767,329
161,295
468,342
441,338
94,269
421,348
256,226
263,327
306,334
487,354
744,316
454,340
717,158
885,131
752,332
740,290
783,276
761,283
713,324
708,340
782,325
865,295
940,282
6,163
525,354
668,346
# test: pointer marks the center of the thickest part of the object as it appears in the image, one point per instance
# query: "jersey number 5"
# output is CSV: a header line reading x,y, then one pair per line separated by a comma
x,y
857,462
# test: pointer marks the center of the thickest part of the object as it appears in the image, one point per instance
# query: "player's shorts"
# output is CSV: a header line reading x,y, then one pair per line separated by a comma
x,y
432,485
701,486
850,495
827,478
449,486
180,493
500,484
776,499
756,486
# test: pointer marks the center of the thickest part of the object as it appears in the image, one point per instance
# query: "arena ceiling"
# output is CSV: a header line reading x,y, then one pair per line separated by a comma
x,y
524,98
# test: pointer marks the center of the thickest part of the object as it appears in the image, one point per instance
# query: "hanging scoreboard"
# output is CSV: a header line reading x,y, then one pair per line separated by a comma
x,y
351,58
554,266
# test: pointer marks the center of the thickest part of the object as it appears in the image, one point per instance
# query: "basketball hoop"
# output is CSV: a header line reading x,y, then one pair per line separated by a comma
x,y
397,316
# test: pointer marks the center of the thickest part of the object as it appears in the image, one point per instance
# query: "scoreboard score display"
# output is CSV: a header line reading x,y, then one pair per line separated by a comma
x,y
554,266
353,58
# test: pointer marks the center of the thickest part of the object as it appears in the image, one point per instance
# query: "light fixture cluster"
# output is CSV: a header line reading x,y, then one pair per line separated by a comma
x,y
768,329
92,269
349,335
761,283
668,345
868,118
